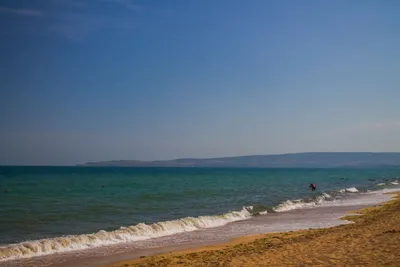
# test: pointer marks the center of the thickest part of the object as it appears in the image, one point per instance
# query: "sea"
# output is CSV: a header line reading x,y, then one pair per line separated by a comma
x,y
52,210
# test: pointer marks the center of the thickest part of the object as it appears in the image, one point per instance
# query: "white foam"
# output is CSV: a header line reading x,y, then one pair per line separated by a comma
x,y
323,197
144,231
381,184
394,183
124,234
289,205
351,190
300,204
385,190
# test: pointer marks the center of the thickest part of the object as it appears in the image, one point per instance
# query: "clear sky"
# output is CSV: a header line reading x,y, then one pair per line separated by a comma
x,y
86,80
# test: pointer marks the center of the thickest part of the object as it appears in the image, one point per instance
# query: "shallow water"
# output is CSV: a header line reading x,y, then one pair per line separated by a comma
x,y
322,216
49,203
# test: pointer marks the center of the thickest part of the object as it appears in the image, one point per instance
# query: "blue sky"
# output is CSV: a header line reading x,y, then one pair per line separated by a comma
x,y
88,80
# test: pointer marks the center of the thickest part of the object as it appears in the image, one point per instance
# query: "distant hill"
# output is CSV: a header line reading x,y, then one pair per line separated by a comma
x,y
296,160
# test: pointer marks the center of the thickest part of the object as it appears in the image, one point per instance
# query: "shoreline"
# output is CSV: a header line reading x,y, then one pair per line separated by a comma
x,y
323,217
376,227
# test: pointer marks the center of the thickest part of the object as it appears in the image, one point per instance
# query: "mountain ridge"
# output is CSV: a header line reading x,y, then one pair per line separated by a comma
x,y
294,160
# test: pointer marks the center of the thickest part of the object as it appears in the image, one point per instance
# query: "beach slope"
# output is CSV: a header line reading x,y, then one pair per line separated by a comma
x,y
372,240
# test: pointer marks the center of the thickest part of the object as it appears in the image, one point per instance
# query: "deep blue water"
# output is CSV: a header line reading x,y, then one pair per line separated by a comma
x,y
43,202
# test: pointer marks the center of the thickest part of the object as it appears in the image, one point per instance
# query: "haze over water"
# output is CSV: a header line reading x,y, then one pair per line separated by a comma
x,y
87,81
106,80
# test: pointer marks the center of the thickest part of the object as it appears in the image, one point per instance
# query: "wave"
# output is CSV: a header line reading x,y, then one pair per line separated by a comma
x,y
144,231
393,182
137,232
349,190
300,203
323,198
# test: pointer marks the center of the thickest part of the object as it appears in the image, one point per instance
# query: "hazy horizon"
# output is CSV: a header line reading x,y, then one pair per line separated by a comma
x,y
193,158
85,81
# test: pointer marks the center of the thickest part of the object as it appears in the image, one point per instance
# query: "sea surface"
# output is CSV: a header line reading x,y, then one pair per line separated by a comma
x,y
45,210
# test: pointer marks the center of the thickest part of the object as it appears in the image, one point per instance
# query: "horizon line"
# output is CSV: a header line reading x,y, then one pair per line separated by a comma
x,y
194,158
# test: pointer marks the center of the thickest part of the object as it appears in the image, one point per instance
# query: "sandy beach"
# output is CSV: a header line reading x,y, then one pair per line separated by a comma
x,y
362,230
199,133
372,240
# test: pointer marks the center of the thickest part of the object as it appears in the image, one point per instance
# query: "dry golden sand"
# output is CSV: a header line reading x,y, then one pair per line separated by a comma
x,y
373,240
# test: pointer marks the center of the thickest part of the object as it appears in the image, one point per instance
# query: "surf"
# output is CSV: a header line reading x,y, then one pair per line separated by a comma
x,y
133,233
143,231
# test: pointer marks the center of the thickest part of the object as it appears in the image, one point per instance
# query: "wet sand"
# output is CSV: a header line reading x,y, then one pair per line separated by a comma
x,y
236,244
372,240
320,217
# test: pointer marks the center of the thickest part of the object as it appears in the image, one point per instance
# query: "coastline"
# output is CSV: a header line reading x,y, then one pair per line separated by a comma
x,y
323,217
373,239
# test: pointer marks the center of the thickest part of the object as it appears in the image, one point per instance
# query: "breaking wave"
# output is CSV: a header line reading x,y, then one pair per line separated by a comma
x,y
323,198
144,231
137,232
349,190
300,203
318,200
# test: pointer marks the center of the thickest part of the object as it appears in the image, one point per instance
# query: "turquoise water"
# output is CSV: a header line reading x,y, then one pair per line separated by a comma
x,y
49,202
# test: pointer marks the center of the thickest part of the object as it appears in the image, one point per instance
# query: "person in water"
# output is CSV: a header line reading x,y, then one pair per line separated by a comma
x,y
312,187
